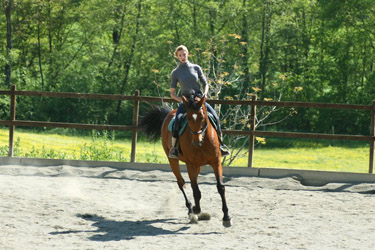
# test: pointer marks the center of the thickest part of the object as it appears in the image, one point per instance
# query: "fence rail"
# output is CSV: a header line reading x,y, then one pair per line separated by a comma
x,y
252,133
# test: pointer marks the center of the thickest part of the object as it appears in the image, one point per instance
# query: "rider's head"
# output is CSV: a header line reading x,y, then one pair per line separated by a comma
x,y
182,53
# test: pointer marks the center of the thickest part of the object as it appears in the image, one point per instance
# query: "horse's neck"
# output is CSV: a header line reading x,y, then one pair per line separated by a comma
x,y
211,131
206,114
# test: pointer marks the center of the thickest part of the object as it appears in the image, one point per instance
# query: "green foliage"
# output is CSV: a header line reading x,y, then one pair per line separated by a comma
x,y
44,153
17,150
4,151
100,149
316,51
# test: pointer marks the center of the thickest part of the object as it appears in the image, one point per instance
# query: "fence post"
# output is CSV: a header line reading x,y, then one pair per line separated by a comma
x,y
252,128
371,164
135,125
12,118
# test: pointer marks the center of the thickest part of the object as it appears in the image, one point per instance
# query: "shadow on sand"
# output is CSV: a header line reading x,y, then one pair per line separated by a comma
x,y
111,230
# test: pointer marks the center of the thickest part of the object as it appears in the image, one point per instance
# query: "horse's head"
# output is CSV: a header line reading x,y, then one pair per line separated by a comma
x,y
195,115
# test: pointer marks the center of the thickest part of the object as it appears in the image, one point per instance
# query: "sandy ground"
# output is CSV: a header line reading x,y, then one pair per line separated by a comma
x,y
67,207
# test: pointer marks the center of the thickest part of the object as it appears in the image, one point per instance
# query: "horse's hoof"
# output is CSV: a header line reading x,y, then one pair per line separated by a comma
x,y
204,216
193,218
227,223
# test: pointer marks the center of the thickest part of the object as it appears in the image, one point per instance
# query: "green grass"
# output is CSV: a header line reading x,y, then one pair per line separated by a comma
x,y
313,156
329,158
95,147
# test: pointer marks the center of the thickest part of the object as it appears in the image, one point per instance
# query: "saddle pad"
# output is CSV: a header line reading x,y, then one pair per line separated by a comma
x,y
184,123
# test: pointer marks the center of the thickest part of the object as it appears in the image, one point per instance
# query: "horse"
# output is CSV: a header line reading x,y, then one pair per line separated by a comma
x,y
199,145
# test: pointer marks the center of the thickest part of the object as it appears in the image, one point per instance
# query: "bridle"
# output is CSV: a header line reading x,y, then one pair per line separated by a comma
x,y
197,106
201,131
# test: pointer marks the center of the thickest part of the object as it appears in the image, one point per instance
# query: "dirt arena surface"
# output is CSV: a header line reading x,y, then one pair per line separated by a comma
x,y
64,207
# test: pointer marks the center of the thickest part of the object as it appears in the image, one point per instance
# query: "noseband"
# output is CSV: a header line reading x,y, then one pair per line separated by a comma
x,y
202,131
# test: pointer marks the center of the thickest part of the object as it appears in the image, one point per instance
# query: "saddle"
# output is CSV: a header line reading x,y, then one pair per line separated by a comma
x,y
183,123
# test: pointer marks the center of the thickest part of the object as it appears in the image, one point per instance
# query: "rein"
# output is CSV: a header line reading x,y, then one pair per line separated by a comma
x,y
203,130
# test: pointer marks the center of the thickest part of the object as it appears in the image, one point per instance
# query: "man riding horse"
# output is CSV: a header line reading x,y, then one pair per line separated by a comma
x,y
188,75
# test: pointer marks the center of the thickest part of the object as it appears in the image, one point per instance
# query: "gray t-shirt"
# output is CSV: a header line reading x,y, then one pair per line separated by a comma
x,y
188,75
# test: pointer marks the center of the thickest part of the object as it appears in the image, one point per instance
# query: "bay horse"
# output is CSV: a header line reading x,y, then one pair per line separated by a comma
x,y
199,145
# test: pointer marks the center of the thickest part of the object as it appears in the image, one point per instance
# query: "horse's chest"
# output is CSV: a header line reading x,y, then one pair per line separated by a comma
x,y
198,156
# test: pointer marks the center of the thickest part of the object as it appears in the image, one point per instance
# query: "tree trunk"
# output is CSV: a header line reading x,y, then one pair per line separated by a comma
x,y
213,13
117,33
173,13
8,66
39,49
130,59
195,28
306,37
50,45
264,44
245,53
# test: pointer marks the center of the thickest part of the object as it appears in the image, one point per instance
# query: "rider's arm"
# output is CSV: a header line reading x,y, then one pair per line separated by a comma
x,y
175,96
203,80
205,90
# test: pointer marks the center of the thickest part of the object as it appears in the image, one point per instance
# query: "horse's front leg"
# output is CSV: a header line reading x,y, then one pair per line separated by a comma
x,y
181,182
193,172
221,189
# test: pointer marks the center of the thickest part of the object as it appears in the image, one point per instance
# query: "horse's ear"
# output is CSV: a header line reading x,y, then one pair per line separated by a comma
x,y
202,100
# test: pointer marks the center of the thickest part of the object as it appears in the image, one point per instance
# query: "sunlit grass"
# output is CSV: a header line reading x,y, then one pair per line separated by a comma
x,y
103,147
94,147
330,158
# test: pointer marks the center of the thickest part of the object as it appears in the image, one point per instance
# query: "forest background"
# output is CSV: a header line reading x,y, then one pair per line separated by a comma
x,y
300,50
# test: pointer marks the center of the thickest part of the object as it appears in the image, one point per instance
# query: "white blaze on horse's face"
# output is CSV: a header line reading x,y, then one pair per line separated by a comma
x,y
196,122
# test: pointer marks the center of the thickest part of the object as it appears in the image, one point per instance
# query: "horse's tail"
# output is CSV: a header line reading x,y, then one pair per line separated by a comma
x,y
151,123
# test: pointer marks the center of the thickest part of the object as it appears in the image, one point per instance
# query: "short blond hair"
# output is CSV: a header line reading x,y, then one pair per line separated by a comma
x,y
181,47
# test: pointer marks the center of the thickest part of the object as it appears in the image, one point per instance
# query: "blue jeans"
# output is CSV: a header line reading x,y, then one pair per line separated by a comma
x,y
182,110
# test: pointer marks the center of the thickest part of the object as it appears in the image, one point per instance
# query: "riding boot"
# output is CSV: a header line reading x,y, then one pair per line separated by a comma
x,y
173,152
223,148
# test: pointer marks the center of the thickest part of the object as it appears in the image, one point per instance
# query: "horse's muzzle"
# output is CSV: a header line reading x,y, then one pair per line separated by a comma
x,y
197,144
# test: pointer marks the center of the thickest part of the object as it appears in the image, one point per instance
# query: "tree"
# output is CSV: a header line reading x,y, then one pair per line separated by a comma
x,y
310,50
129,59
8,7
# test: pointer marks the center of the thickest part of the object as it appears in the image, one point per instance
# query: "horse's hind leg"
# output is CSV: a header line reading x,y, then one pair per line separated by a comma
x,y
180,181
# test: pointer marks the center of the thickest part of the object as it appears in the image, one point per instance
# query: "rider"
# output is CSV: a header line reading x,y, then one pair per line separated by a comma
x,y
188,75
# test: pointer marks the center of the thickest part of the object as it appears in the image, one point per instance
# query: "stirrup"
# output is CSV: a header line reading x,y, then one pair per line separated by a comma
x,y
173,153
224,150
